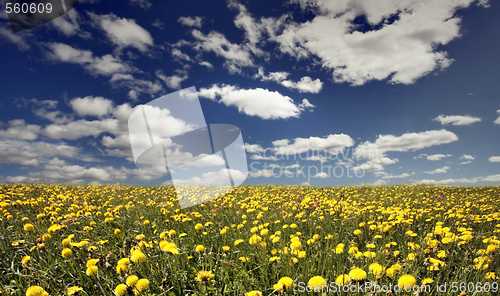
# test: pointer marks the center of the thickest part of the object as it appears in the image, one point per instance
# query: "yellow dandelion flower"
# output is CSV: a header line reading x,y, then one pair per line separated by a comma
x,y
29,227
36,291
342,279
317,283
204,276
142,284
92,270
137,257
284,283
92,262
25,259
66,252
131,280
74,289
357,274
121,268
200,248
120,290
406,282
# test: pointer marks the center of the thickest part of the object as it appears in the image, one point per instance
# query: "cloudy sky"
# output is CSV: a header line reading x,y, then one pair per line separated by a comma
x,y
324,92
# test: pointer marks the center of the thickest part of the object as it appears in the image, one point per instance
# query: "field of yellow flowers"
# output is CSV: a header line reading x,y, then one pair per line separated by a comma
x,y
255,240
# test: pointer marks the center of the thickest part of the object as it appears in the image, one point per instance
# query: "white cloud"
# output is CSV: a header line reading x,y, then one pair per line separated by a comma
x,y
255,102
253,148
333,143
401,51
59,171
373,165
80,128
253,29
18,39
403,143
144,4
68,23
489,178
33,153
191,21
306,84
321,175
467,157
176,53
19,130
497,121
123,32
266,173
434,157
105,65
214,178
236,56
385,175
484,3
263,157
438,171
206,64
376,183
93,106
319,158
306,105
457,119
175,80
136,85
494,159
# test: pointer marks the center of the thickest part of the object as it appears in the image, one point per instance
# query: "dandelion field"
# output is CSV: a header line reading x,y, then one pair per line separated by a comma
x,y
255,240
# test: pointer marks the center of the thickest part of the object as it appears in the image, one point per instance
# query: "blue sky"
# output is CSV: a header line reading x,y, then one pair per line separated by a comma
x,y
324,92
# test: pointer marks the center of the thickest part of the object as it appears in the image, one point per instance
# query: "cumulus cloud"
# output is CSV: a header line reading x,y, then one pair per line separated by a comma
x,y
190,21
333,143
438,171
33,153
255,102
306,84
497,121
373,165
19,39
68,24
321,175
173,81
123,32
467,157
457,119
494,159
236,56
490,178
144,4
403,143
253,148
105,65
93,106
434,157
19,130
218,178
59,171
385,175
401,44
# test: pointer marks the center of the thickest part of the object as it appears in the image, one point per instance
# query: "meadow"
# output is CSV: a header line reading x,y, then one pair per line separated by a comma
x,y
255,240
